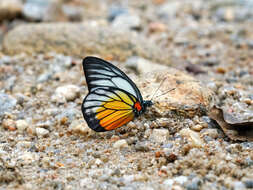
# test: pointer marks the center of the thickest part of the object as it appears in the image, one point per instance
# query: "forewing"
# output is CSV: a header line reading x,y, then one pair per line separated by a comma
x,y
100,74
108,108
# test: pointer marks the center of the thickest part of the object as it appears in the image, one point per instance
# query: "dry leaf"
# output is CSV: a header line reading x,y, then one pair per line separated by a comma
x,y
232,127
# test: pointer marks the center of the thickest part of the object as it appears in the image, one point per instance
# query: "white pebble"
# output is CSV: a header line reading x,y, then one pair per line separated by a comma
x,y
41,132
192,137
98,162
23,144
168,182
69,92
120,144
27,158
211,133
21,125
181,179
159,135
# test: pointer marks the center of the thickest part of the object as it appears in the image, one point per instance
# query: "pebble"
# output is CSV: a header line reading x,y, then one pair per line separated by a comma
x,y
126,22
159,135
169,9
74,13
197,127
142,65
23,144
98,162
120,144
7,103
66,93
194,184
238,185
87,183
38,10
27,158
41,132
115,11
9,124
192,137
181,179
248,183
79,127
157,27
141,146
21,125
213,133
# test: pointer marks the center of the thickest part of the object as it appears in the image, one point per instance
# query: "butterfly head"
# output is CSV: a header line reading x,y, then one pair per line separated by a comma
x,y
141,108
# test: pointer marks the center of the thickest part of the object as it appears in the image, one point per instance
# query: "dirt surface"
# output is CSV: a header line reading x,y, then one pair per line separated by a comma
x,y
203,49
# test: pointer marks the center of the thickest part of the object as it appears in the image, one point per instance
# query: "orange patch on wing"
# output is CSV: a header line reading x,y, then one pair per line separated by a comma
x,y
120,122
104,113
114,117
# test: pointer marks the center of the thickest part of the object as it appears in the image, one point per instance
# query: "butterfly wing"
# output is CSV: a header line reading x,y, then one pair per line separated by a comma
x,y
108,108
100,74
112,95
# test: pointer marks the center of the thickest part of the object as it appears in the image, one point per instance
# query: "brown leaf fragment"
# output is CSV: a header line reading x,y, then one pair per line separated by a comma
x,y
233,128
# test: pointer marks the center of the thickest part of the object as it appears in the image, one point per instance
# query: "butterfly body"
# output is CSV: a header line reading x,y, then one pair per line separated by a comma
x,y
113,99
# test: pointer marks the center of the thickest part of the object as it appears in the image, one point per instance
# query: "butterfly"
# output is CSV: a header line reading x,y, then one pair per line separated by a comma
x,y
113,99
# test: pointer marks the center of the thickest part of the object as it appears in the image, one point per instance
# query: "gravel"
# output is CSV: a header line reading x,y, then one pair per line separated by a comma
x,y
45,142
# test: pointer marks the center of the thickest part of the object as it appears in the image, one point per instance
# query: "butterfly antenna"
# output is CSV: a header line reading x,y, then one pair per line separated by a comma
x,y
158,88
165,92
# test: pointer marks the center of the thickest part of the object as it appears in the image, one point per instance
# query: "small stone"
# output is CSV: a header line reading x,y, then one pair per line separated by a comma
x,y
41,132
120,144
115,11
197,127
221,70
142,147
74,13
159,135
21,125
181,179
192,137
46,10
79,127
168,183
9,124
23,144
126,21
7,103
248,101
194,184
142,65
27,158
98,162
87,183
238,185
157,27
213,133
248,183
31,130
67,92
128,178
